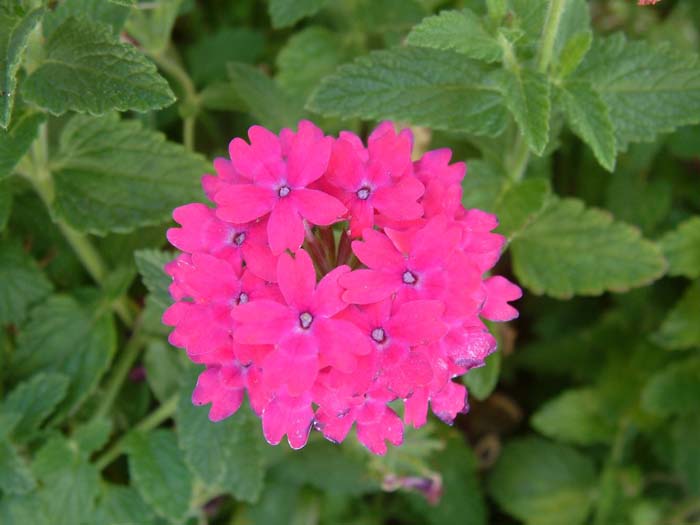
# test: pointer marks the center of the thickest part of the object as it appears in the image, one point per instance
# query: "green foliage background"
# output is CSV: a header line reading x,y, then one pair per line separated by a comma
x,y
579,123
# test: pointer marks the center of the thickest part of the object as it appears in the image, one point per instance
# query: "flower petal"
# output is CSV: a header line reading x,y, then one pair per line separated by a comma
x,y
241,203
297,278
285,228
368,286
318,207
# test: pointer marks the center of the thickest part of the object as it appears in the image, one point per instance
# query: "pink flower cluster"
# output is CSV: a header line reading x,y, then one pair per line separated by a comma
x,y
331,279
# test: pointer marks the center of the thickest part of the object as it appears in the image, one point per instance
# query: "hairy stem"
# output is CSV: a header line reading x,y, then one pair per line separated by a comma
x,y
549,34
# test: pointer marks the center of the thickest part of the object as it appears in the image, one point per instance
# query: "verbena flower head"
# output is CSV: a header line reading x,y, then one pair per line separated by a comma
x,y
330,279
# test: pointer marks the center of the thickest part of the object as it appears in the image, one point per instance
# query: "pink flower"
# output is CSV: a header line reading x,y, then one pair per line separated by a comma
x,y
267,301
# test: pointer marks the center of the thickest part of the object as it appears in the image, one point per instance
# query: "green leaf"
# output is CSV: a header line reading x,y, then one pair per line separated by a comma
x,y
93,435
66,337
515,204
675,389
127,3
648,88
543,483
221,96
569,250
165,369
680,329
482,381
14,35
121,505
114,175
232,459
575,416
88,71
150,264
69,483
15,142
588,117
393,84
21,510
308,56
461,31
159,473
288,12
22,284
35,399
265,101
15,475
208,57
152,27
634,197
574,36
390,19
686,451
5,204
682,248
91,10
573,53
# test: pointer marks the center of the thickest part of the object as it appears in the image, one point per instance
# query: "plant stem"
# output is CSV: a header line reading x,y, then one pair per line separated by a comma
x,y
549,34
518,159
188,132
151,421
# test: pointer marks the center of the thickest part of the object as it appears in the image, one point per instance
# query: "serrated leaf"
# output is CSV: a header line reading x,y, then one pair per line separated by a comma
x,y
152,27
88,71
69,483
575,416
675,389
14,35
93,435
165,369
113,175
151,265
417,85
570,250
527,96
15,141
5,204
15,475
35,399
461,31
686,451
232,459
22,284
271,106
121,505
308,56
529,20
159,473
574,36
482,381
680,329
682,248
108,13
66,337
589,118
648,88
288,12
543,483
573,53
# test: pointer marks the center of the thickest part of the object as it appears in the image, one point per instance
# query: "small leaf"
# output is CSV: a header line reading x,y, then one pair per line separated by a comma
x,y
151,265
569,250
91,10
271,106
228,454
165,369
221,96
461,31
14,35
15,475
573,53
88,71
543,483
35,399
575,416
574,36
152,27
159,473
686,451
682,248
93,435
675,389
288,12
418,85
114,175
15,142
482,381
680,329
588,117
66,337
22,284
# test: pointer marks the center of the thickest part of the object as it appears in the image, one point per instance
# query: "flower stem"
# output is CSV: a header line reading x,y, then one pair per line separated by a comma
x,y
549,34
151,421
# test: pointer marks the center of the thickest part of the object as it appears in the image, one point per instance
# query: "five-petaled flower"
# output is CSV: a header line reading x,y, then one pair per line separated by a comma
x,y
331,279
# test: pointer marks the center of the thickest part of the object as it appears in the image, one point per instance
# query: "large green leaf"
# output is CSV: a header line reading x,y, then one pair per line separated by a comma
x,y
228,454
113,175
680,329
88,71
543,483
70,338
159,473
428,87
461,31
96,10
22,283
575,416
121,505
569,250
287,12
648,88
675,389
682,248
15,475
15,28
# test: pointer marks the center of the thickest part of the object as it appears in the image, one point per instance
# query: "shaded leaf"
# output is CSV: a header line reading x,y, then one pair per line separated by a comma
x,y
682,248
674,390
15,142
680,329
15,475
288,12
152,27
108,13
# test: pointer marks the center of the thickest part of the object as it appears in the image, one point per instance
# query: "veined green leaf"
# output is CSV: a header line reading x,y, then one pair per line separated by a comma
x,y
108,13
